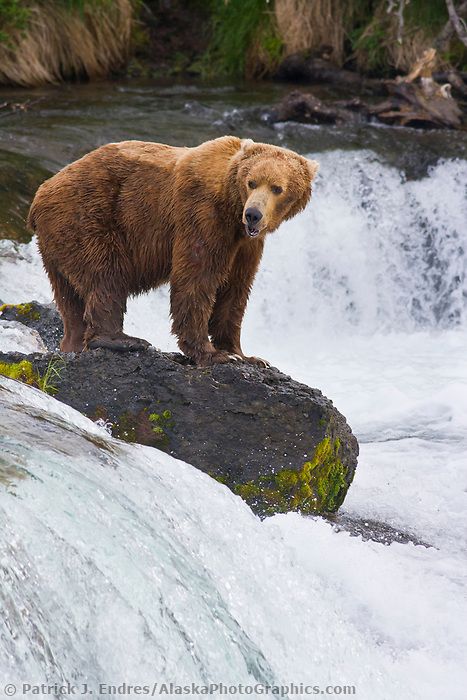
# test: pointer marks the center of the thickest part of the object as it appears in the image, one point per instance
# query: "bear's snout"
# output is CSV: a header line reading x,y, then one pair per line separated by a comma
x,y
253,216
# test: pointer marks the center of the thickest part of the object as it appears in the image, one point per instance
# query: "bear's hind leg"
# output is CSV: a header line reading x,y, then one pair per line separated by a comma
x,y
71,308
104,318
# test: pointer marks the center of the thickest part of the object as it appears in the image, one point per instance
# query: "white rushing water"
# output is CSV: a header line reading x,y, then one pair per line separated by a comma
x,y
123,564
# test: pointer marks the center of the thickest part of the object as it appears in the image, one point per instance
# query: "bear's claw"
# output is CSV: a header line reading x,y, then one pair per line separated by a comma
x,y
235,358
220,357
257,361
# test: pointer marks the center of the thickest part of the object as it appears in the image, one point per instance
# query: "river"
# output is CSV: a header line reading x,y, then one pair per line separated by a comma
x,y
124,565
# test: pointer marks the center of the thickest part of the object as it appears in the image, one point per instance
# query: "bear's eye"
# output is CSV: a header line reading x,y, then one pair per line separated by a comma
x,y
252,184
276,189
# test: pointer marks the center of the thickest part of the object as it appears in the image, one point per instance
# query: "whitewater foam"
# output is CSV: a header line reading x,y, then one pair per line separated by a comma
x,y
120,563
363,295
372,252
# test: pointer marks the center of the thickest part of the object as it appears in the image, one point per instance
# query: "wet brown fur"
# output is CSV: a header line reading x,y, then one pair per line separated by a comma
x,y
130,216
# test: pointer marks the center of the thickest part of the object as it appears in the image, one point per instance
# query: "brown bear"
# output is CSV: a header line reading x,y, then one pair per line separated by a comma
x,y
130,216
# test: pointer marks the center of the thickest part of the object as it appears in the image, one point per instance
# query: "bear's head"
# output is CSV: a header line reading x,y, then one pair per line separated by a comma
x,y
274,185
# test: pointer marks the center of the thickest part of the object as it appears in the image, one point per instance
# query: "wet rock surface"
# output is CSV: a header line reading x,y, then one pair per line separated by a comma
x,y
279,444
43,318
253,429
373,530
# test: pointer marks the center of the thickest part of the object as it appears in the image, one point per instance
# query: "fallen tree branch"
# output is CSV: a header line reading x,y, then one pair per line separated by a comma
x,y
457,22
441,42
422,68
8,107
415,100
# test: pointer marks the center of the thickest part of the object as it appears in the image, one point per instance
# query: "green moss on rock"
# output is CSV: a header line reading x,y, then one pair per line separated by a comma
x,y
124,428
143,427
24,372
221,478
24,310
319,486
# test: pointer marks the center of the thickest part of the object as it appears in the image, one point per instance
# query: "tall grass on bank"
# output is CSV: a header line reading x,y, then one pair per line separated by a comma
x,y
251,37
47,41
306,26
244,38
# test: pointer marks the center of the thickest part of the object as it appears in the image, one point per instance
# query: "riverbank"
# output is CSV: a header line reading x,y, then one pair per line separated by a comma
x,y
45,41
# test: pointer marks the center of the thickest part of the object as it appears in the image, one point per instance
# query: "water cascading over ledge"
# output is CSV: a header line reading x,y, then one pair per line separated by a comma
x,y
277,443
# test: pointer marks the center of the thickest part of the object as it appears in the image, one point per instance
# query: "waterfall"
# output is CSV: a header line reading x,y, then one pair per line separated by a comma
x,y
120,564
372,252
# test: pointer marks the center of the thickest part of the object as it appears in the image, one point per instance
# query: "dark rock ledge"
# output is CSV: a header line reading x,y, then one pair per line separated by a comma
x,y
279,444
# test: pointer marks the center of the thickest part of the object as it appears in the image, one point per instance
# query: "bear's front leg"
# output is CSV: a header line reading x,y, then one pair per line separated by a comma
x,y
196,274
231,299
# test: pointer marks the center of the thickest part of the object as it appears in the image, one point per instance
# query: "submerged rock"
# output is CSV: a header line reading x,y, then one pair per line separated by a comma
x,y
374,530
306,108
279,444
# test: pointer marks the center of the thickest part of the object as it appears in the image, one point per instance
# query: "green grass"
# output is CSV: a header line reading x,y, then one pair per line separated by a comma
x,y
52,374
14,15
370,35
237,26
244,37
24,372
373,45
432,15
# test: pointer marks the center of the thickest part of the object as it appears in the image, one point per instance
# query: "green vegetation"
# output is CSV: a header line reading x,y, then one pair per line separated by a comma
x,y
160,423
212,38
142,427
52,374
381,44
319,486
368,45
15,14
24,310
244,38
431,15
24,372
250,37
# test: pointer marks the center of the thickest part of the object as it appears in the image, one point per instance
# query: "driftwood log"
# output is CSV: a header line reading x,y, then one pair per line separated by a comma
x,y
415,100
19,107
305,107
316,70
426,105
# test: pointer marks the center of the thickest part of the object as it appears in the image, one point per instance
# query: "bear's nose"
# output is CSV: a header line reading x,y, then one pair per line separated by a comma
x,y
252,216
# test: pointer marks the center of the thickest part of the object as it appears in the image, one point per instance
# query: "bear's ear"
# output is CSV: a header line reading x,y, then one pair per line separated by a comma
x,y
245,144
313,167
